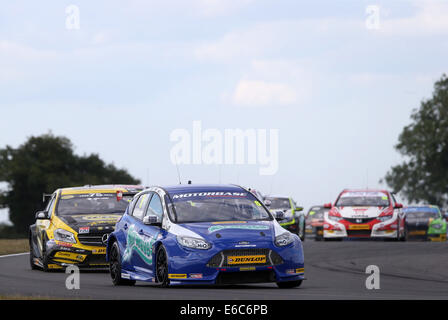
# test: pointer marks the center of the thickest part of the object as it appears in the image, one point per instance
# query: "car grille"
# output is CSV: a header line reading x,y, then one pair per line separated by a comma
x,y
359,220
359,233
95,239
220,259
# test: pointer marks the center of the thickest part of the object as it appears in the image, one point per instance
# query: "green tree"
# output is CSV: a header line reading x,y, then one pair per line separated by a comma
x,y
423,176
43,164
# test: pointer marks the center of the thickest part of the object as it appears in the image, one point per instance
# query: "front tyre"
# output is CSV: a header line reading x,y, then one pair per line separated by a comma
x,y
32,265
162,267
289,284
115,267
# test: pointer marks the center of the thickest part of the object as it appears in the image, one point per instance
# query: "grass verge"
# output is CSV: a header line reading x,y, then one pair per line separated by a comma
x,y
9,246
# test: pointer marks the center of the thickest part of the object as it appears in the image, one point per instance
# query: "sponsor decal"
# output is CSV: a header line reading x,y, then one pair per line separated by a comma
x,y
246,259
359,227
225,222
64,244
177,276
247,268
84,230
95,217
99,251
238,226
141,244
209,194
300,270
196,275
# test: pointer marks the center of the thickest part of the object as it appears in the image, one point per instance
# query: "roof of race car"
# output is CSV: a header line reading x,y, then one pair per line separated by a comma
x,y
428,207
101,188
180,188
364,190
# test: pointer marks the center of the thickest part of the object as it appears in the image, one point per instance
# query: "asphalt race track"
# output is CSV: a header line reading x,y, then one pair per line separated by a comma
x,y
334,270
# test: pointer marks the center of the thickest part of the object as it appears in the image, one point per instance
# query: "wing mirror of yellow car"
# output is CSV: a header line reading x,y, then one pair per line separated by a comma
x,y
299,209
42,215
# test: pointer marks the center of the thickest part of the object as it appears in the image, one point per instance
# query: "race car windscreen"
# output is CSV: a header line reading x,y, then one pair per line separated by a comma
x,y
316,213
92,203
422,213
363,199
279,203
218,206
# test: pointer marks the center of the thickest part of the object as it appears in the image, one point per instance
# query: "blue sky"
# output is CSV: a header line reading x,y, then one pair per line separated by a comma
x,y
338,92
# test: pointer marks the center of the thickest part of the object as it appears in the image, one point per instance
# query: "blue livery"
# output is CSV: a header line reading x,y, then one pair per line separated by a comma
x,y
202,234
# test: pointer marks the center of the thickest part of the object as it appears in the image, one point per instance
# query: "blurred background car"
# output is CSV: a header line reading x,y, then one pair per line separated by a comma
x,y
293,218
425,222
315,222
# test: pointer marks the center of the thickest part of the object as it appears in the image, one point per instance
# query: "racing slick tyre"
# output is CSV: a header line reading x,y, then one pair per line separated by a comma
x,y
302,232
115,268
289,284
162,268
32,265
44,255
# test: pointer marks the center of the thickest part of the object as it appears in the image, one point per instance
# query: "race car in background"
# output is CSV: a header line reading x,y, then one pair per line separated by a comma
x,y
202,234
425,222
364,214
75,225
293,219
315,222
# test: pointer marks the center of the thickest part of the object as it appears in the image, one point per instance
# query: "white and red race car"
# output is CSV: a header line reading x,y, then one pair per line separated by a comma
x,y
364,214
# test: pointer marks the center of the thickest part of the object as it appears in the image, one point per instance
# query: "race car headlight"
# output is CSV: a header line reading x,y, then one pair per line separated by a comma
x,y
284,239
64,235
436,226
384,218
193,243
334,218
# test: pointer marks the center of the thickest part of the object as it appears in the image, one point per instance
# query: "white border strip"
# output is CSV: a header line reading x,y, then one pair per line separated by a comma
x,y
14,254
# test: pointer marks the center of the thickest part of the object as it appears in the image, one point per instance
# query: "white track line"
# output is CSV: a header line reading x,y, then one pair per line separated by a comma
x,y
15,254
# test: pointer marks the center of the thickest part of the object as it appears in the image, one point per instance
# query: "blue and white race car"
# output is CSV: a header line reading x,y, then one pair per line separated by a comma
x,y
202,234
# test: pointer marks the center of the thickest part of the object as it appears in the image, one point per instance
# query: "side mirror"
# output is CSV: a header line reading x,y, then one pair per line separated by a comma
x,y
398,206
278,214
152,220
41,215
267,203
299,209
327,205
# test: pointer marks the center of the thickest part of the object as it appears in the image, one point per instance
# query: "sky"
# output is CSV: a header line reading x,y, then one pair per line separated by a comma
x,y
336,79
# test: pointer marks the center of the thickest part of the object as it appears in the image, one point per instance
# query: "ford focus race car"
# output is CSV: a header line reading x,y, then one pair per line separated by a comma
x,y
75,225
202,234
364,213
425,223
293,218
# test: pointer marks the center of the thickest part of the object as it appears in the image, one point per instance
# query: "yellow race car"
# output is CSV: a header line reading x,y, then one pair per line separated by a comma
x,y
74,227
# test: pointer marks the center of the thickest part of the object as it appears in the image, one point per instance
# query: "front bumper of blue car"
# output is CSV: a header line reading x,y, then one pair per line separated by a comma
x,y
220,265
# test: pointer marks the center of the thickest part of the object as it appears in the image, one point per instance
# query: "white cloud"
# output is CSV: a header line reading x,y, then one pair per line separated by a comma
x,y
430,19
261,93
211,8
272,83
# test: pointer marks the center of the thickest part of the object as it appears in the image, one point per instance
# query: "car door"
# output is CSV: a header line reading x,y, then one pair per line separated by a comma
x,y
151,232
130,226
42,226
